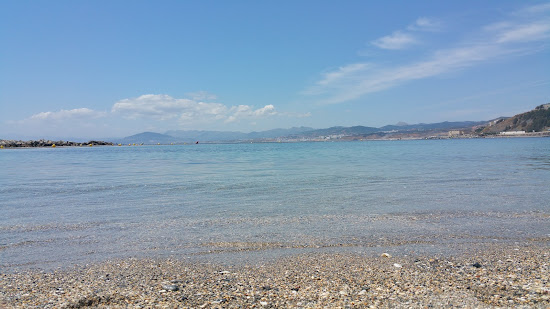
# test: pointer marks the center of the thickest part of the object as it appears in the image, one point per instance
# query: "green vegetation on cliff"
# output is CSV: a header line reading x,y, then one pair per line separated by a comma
x,y
537,120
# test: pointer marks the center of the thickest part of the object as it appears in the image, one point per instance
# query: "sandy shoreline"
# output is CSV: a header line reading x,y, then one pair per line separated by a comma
x,y
504,275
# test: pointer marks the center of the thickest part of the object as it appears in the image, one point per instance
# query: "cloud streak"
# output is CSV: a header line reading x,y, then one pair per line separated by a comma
x,y
62,115
425,24
397,40
353,81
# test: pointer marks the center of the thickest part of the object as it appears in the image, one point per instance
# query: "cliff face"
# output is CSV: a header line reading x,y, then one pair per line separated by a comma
x,y
537,120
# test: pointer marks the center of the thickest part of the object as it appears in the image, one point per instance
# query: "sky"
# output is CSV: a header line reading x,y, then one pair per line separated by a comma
x,y
106,69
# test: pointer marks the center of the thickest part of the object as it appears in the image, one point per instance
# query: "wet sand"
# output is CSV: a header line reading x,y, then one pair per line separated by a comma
x,y
491,275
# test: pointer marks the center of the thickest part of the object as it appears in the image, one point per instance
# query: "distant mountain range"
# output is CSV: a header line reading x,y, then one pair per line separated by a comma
x,y
191,136
537,120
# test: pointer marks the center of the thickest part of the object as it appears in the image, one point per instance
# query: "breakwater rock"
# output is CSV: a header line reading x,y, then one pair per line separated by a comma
x,y
49,143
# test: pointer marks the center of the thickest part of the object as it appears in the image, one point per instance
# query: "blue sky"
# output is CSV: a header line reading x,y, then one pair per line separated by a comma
x,y
93,69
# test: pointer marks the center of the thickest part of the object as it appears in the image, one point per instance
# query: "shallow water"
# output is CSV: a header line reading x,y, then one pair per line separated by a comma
x,y
75,205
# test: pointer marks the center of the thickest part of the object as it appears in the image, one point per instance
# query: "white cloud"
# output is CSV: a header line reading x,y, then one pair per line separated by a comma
x,y
245,111
397,40
506,38
73,114
165,107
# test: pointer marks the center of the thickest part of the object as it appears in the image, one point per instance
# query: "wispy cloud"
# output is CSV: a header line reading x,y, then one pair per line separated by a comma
x,y
397,40
63,115
202,96
507,38
525,33
402,39
73,122
425,24
535,9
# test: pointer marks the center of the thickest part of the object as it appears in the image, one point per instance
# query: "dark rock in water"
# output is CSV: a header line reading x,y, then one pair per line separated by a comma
x,y
477,265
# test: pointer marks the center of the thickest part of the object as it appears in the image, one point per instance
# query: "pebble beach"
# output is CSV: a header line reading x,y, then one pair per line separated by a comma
x,y
490,276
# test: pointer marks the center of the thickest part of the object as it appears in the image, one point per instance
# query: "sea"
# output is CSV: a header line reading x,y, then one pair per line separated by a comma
x,y
251,202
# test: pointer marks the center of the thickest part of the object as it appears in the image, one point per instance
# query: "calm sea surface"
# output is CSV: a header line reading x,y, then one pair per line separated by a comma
x,y
66,206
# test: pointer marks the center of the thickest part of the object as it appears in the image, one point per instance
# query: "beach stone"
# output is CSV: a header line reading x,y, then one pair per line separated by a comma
x,y
170,287
477,265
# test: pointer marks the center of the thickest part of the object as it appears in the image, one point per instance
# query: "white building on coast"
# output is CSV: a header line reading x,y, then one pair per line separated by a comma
x,y
512,133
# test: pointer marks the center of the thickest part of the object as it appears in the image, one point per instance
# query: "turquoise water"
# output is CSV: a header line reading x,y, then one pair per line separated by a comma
x,y
64,206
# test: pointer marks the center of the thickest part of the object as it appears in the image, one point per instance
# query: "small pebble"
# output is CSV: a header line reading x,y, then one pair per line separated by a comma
x,y
170,287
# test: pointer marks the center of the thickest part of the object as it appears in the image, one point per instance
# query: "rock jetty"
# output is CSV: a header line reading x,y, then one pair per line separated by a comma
x,y
49,143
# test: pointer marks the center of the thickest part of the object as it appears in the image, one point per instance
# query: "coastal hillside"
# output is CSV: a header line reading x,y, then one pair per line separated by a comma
x,y
536,120
148,138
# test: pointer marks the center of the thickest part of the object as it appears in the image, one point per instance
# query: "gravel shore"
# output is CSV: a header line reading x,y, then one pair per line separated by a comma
x,y
495,276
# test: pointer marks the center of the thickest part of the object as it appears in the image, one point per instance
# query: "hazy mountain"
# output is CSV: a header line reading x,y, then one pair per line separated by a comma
x,y
278,132
194,135
147,138
355,130
208,136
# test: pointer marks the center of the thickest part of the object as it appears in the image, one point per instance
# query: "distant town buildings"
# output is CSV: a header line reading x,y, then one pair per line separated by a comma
x,y
512,133
455,133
